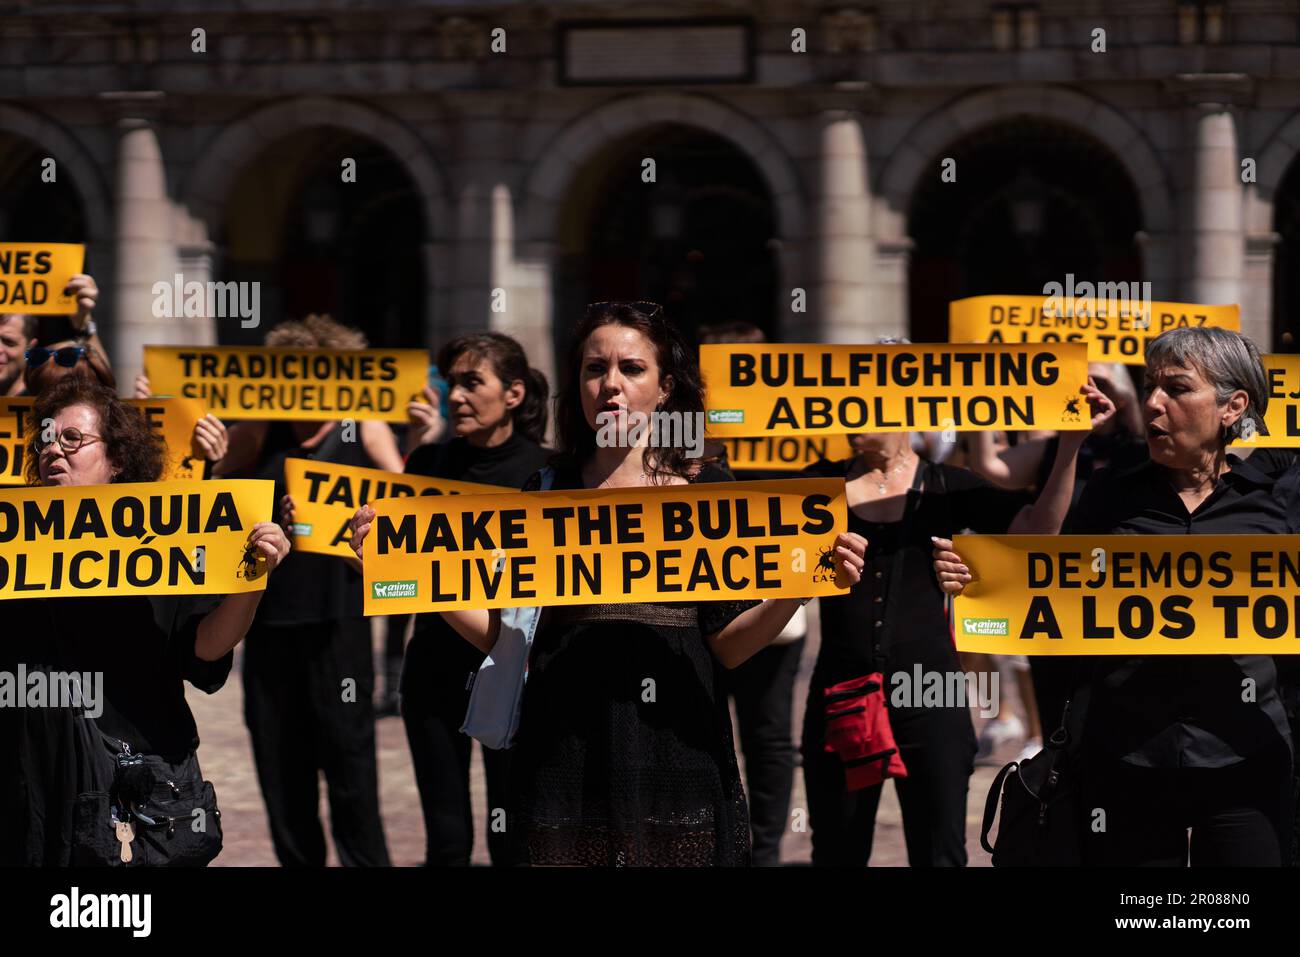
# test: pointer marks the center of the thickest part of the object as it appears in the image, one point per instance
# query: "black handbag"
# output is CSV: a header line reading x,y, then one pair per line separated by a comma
x,y
1042,814
141,810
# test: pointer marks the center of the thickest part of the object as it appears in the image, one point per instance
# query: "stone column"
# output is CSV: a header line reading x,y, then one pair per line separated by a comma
x,y
842,270
145,252
1213,199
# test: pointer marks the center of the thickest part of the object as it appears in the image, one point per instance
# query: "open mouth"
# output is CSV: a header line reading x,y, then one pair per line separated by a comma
x,y
610,407
1155,432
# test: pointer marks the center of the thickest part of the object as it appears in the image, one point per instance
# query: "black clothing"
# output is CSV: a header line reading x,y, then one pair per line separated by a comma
x,y
1184,711
1117,449
610,769
892,627
1239,814
763,689
436,672
144,646
301,723
310,636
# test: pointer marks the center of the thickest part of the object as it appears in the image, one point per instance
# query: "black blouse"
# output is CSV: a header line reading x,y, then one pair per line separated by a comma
x,y
1175,711
878,623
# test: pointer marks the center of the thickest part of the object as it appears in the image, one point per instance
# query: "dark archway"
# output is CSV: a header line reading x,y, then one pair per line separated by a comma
x,y
319,244
1286,262
700,240
1033,201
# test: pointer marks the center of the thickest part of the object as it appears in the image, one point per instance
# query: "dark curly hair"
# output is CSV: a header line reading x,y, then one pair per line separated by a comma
x,y
130,443
506,356
577,439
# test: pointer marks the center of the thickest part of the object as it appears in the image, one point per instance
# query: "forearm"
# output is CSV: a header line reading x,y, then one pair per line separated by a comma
x,y
751,632
477,626
1047,514
226,626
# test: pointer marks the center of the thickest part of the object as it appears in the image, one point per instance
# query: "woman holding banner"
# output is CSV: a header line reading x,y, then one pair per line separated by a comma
x,y
600,774
309,669
145,648
1175,742
893,628
497,407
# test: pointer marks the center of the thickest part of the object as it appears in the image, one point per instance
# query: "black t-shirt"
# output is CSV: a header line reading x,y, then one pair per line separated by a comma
x,y
1176,711
308,588
908,619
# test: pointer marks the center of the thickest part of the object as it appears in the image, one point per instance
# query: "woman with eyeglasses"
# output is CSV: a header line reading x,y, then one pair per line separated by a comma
x,y
601,774
145,647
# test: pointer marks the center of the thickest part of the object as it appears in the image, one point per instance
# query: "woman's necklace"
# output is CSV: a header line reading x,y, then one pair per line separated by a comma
x,y
883,484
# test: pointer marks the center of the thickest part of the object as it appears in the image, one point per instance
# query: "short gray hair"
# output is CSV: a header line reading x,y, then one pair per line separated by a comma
x,y
1228,361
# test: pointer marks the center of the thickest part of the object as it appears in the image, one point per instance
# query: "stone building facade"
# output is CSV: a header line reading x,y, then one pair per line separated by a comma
x,y
799,153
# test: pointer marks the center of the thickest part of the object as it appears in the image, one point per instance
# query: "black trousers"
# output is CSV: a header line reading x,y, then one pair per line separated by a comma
x,y
303,719
937,746
434,699
763,688
1239,815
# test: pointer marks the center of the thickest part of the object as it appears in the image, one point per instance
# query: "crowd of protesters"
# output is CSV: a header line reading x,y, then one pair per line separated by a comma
x,y
597,777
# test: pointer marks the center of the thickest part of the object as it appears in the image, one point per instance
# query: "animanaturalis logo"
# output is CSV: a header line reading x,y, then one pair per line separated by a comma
x,y
991,627
727,416
402,589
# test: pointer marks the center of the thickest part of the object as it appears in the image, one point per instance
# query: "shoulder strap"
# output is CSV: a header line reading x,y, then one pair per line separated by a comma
x,y
991,805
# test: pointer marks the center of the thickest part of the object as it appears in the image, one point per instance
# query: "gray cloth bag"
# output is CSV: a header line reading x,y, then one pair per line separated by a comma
x,y
497,695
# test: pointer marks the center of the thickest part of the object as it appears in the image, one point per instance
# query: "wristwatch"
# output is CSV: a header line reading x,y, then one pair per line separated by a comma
x,y
90,330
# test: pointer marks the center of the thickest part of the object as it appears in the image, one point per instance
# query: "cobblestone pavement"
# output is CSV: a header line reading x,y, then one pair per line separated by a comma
x,y
226,757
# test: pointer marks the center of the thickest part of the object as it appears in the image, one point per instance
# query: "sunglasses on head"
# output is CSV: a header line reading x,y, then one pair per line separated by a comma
x,y
650,309
68,356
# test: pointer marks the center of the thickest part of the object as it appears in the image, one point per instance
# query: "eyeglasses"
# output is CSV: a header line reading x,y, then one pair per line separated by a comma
x,y
651,309
68,356
70,440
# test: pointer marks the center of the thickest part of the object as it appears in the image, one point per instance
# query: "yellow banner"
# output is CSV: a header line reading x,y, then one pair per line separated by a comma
x,y
788,453
174,418
727,540
154,538
808,389
254,382
34,275
1282,420
1130,595
1114,330
325,497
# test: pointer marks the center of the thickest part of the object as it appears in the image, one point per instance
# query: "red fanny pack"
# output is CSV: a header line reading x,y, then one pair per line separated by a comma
x,y
857,729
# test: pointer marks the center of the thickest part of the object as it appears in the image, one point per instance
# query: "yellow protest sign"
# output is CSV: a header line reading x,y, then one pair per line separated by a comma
x,y
1130,595
34,275
769,389
175,418
668,543
325,497
152,538
1282,420
1113,330
254,382
787,453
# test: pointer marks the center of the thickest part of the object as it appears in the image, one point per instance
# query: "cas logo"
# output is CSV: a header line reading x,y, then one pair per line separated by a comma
x,y
824,570
397,589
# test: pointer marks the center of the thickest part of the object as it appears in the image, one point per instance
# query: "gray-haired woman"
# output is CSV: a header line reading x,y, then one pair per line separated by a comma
x,y
1174,742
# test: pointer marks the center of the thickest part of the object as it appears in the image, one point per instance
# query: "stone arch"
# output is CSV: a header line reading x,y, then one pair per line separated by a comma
x,y
69,152
1276,157
210,181
558,156
922,144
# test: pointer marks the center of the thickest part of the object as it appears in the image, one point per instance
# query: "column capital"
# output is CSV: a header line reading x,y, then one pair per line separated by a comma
x,y
1211,89
856,97
132,108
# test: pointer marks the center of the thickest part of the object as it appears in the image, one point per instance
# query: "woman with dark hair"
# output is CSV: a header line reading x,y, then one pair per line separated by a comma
x,y
145,647
497,407
601,774
1171,743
